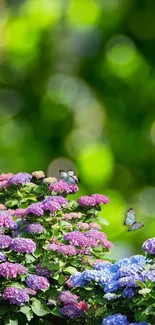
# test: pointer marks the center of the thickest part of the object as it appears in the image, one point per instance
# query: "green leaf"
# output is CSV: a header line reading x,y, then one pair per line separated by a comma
x,y
70,270
100,311
11,321
38,308
16,285
38,252
11,203
25,309
141,284
29,258
61,279
53,267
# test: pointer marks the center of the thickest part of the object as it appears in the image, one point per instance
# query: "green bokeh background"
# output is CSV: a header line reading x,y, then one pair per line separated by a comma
x,y
77,90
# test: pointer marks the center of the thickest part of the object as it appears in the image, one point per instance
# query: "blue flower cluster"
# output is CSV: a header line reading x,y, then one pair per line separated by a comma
x,y
118,319
112,277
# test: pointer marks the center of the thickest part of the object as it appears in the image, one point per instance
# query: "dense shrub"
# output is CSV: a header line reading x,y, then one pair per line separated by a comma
x,y
44,238
52,266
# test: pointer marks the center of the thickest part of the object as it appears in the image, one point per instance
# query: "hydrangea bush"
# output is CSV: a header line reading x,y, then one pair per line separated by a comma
x,y
52,266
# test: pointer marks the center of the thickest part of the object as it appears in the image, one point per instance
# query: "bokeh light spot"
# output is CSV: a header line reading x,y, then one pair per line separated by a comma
x,y
96,164
83,12
60,163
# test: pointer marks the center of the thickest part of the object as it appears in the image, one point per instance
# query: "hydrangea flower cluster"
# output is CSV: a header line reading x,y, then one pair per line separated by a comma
x,y
61,187
119,319
11,270
36,209
95,199
35,228
149,246
36,282
72,308
112,277
6,220
22,245
15,296
50,259
19,179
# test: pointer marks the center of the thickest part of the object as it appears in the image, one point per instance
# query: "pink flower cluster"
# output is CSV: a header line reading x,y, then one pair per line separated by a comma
x,y
87,226
72,215
23,245
63,249
6,220
11,270
62,186
95,199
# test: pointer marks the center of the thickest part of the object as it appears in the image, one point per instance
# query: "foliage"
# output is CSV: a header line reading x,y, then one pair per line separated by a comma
x,y
44,239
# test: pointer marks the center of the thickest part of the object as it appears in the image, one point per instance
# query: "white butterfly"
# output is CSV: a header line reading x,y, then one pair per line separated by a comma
x,y
130,220
69,176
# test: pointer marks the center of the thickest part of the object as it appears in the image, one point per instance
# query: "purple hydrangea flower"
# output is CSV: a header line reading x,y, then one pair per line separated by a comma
x,y
128,293
15,296
34,228
99,198
36,282
11,270
2,257
116,319
51,206
68,298
6,220
19,179
87,201
71,311
63,249
97,235
78,238
61,186
58,199
149,246
23,245
36,209
5,241
42,271
20,213
150,275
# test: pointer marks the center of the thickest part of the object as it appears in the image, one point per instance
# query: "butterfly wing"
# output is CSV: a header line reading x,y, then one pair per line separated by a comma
x,y
72,180
130,217
136,226
63,174
70,172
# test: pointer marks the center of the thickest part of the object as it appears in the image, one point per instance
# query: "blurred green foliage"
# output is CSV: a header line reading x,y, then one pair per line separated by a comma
x,y
77,82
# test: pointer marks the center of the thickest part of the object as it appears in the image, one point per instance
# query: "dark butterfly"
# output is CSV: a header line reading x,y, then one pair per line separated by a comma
x,y
130,220
69,176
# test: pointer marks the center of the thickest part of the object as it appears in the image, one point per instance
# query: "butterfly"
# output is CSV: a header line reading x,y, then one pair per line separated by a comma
x,y
130,220
69,176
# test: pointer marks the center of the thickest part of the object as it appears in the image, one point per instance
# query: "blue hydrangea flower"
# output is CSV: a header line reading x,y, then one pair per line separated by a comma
x,y
116,319
128,293
110,296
